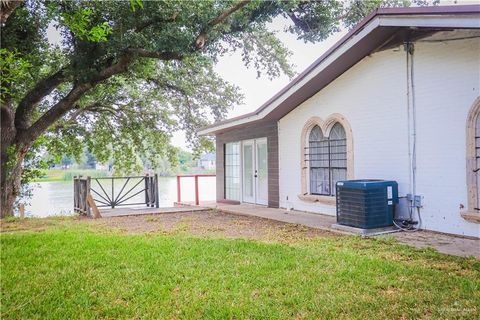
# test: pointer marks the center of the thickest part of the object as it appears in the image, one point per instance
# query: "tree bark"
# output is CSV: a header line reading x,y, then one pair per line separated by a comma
x,y
11,157
11,179
7,7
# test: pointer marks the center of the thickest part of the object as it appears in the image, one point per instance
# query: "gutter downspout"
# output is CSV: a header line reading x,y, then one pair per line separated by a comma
x,y
411,91
410,224
408,47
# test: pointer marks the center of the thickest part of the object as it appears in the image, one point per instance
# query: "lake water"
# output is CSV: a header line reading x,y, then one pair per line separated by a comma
x,y
56,197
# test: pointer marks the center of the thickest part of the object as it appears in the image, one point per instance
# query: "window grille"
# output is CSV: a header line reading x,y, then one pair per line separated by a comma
x,y
326,159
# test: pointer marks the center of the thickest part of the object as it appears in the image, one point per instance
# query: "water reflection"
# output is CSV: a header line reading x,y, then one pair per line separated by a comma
x,y
56,197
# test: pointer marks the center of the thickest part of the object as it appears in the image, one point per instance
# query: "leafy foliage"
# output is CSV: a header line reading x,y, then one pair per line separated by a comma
x,y
78,23
124,76
14,70
360,8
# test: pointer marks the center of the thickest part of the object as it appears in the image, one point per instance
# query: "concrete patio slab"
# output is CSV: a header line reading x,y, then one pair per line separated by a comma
x,y
444,243
135,211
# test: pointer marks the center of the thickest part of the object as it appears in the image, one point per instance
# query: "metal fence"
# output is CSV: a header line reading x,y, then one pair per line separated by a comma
x,y
196,177
113,192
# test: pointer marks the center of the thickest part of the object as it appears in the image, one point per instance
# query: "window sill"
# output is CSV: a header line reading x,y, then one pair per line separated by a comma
x,y
330,200
471,216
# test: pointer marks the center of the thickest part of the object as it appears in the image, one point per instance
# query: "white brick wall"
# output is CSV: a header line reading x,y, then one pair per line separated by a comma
x,y
372,96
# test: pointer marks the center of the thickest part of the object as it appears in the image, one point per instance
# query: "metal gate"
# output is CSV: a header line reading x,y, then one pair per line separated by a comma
x,y
111,192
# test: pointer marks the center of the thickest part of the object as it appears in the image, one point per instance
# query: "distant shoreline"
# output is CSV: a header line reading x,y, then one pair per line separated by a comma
x,y
53,175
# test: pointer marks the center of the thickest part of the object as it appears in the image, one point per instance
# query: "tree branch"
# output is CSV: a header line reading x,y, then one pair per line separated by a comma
x,y
68,102
34,96
119,67
71,119
227,13
55,113
7,8
202,37
167,85
151,22
298,22
154,54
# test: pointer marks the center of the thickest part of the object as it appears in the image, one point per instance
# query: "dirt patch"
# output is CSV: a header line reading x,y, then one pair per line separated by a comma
x,y
212,223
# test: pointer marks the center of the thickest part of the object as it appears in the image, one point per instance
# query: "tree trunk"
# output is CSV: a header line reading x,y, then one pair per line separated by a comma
x,y
11,157
10,181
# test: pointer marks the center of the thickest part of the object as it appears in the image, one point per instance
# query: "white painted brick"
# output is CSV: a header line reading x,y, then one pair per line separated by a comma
x,y
372,96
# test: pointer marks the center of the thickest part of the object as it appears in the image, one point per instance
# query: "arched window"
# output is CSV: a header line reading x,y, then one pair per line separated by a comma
x,y
326,159
473,163
476,169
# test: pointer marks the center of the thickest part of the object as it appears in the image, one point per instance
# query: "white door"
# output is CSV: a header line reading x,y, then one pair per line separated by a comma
x,y
261,171
248,181
255,171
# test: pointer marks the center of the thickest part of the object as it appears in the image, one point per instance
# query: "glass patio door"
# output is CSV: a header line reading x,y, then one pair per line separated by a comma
x,y
248,171
255,171
261,172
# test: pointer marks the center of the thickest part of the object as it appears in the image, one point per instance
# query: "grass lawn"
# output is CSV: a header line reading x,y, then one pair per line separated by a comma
x,y
70,268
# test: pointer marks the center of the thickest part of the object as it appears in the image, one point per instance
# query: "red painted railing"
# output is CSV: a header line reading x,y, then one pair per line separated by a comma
x,y
179,188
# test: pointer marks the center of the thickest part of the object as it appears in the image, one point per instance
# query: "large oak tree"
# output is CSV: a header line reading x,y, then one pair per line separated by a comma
x,y
126,74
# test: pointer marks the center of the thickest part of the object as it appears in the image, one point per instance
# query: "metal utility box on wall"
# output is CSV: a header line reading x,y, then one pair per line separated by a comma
x,y
366,204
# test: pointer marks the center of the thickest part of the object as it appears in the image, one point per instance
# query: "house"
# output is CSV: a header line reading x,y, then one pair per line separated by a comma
x,y
397,98
102,166
207,161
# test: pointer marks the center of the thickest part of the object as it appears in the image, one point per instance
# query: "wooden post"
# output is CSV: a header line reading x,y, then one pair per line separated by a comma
x,y
197,200
21,211
152,191
155,184
147,198
93,206
74,193
179,192
113,193
87,192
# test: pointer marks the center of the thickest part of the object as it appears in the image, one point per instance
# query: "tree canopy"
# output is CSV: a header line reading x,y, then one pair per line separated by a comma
x,y
127,74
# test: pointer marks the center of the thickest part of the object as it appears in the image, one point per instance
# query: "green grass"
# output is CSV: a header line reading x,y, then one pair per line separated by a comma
x,y
68,174
64,269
